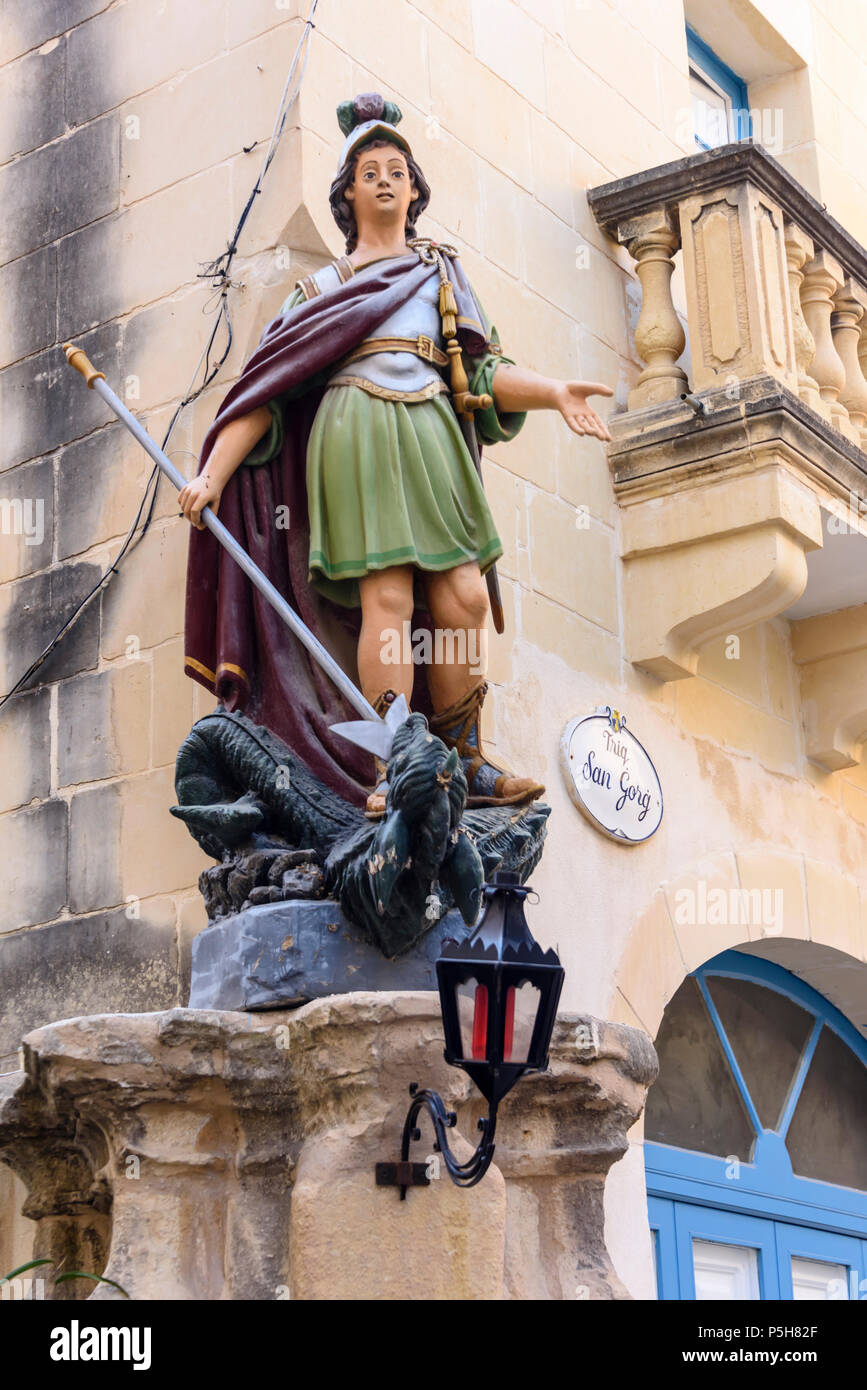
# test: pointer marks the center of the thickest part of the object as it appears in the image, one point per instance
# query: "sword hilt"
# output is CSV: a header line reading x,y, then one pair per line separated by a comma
x,y
78,358
465,403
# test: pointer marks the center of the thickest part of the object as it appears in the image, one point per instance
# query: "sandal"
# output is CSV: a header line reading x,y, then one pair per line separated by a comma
x,y
488,784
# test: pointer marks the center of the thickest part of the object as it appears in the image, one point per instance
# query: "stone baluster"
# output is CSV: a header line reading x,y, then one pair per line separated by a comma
x,y
799,250
849,305
823,277
651,239
862,345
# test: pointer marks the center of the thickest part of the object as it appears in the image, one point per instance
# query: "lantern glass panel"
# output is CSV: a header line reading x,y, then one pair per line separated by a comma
x,y
522,1006
472,1001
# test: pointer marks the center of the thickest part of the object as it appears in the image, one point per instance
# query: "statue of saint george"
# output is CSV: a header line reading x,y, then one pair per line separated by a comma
x,y
358,418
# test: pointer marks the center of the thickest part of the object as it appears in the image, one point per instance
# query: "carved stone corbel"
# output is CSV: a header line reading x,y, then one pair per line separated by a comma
x,y
736,555
716,522
831,653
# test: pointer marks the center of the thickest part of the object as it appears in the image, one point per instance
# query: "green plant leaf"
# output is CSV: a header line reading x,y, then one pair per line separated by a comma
x,y
80,1274
21,1268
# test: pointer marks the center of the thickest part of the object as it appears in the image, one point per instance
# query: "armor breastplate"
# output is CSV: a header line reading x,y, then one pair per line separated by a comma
x,y
402,373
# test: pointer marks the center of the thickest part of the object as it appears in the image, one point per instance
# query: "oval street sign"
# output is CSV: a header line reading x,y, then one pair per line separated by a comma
x,y
610,776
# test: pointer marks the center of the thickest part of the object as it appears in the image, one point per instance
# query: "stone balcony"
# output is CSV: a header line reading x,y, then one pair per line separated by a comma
x,y
740,464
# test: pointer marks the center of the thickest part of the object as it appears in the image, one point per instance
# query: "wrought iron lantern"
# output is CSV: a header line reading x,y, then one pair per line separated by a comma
x,y
499,993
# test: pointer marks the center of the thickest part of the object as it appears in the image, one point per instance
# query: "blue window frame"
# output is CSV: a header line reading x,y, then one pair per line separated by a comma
x,y
762,1205
724,93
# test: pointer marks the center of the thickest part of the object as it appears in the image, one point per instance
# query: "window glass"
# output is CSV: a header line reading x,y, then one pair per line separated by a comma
x,y
720,106
813,1280
827,1138
711,112
695,1104
768,1034
724,1271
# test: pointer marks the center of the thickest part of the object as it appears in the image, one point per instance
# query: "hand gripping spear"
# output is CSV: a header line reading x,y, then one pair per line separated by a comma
x,y
370,732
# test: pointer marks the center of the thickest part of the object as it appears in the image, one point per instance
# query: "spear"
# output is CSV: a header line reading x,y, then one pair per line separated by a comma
x,y
371,732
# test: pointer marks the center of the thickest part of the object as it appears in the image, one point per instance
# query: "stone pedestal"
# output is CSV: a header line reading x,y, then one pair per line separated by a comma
x,y
280,955
236,1154
349,1238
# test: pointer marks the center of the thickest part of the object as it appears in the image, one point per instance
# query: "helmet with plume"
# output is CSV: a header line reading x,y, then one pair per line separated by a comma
x,y
368,117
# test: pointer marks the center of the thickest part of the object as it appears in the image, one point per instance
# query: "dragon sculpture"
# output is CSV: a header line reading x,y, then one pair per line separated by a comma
x,y
278,832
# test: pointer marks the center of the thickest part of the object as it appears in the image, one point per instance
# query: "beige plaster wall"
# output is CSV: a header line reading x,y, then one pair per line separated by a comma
x,y
514,110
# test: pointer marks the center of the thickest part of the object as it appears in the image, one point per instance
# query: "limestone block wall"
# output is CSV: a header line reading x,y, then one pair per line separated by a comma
x,y
122,138
95,903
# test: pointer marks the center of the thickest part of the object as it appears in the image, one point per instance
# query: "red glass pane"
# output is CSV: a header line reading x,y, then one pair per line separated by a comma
x,y
480,1024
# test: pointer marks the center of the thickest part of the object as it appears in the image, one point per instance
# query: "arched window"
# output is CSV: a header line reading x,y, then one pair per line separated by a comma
x,y
756,1140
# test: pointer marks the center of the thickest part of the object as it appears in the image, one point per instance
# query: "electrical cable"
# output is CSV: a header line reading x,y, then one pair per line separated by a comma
x,y
218,272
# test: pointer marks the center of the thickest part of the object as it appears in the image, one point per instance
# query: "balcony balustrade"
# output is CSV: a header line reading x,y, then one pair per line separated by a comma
x,y
739,464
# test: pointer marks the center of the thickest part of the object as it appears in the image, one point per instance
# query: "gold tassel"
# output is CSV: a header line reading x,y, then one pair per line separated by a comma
x,y
448,308
448,304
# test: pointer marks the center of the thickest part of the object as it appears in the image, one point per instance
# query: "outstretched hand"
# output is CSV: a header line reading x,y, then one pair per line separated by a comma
x,y
579,416
199,493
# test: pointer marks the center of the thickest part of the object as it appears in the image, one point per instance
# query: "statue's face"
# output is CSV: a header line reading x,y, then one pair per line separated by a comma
x,y
381,190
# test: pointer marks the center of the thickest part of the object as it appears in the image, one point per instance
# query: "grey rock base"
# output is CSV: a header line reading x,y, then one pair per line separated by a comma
x,y
281,955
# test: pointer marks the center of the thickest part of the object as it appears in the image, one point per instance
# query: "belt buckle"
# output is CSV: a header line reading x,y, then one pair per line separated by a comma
x,y
426,348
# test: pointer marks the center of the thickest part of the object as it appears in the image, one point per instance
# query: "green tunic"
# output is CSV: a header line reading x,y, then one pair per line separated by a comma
x,y
392,483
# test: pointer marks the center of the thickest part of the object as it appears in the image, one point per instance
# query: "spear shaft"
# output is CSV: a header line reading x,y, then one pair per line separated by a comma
x,y
96,381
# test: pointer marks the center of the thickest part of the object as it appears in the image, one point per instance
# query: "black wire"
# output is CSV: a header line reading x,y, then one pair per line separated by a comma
x,y
217,271
151,490
103,581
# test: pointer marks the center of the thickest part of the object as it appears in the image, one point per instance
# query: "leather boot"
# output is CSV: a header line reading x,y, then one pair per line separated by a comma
x,y
488,784
375,809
